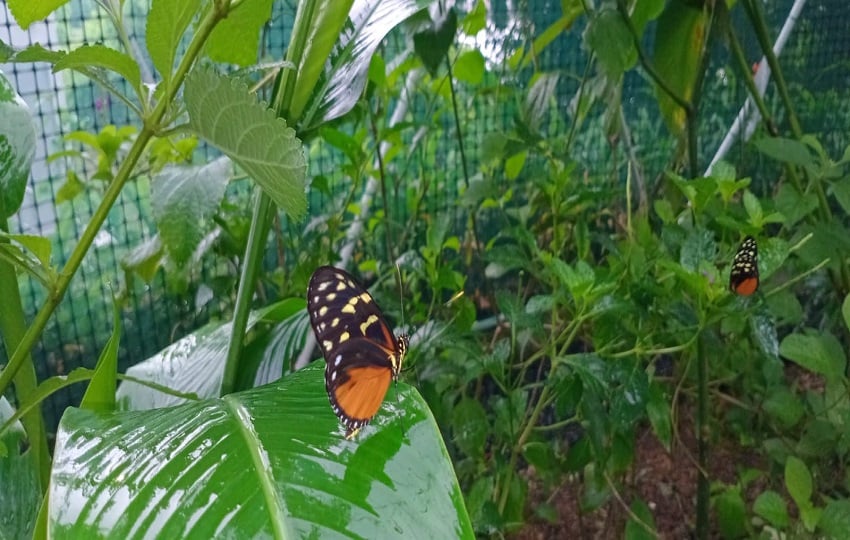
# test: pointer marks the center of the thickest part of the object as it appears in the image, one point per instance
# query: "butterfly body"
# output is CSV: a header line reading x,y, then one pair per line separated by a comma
x,y
744,276
361,353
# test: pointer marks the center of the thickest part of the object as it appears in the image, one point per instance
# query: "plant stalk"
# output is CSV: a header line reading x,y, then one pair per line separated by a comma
x,y
12,328
703,492
149,127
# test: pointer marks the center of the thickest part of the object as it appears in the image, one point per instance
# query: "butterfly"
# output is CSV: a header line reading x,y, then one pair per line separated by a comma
x,y
362,356
744,276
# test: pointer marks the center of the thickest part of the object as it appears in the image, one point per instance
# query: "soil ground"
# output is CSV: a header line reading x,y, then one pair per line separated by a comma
x,y
666,481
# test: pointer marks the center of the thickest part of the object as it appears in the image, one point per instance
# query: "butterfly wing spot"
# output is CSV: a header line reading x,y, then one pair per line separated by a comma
x,y
367,323
350,306
341,286
322,311
328,345
337,360
344,337
324,285
330,297
365,297
335,322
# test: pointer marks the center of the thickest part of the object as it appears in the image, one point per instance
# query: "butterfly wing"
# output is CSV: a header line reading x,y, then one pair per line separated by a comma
x,y
361,353
357,379
744,276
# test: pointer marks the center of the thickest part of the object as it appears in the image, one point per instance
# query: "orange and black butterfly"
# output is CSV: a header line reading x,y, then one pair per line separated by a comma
x,y
361,353
744,276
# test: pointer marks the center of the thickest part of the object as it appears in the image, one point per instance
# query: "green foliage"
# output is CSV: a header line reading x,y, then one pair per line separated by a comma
x,y
17,148
255,463
565,305
228,117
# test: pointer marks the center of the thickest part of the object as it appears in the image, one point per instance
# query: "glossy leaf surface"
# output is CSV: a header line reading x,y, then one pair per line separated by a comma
x,y
269,462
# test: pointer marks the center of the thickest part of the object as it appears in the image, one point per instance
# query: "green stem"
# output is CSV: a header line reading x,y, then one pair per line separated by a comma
x,y
526,433
758,100
250,269
703,491
150,126
12,328
645,62
760,27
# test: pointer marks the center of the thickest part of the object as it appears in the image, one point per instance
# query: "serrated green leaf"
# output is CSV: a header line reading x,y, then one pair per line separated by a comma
x,y
818,352
70,189
184,198
27,12
36,53
835,520
798,480
658,412
784,406
469,426
166,23
753,208
88,56
6,52
228,117
731,514
236,39
609,37
270,462
17,149
771,507
37,245
785,150
145,259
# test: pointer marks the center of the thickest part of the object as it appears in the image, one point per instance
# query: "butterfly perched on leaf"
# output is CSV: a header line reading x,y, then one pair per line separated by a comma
x,y
744,276
361,353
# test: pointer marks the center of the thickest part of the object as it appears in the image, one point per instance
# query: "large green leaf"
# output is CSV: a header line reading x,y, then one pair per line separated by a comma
x,y
184,200
27,12
19,491
236,39
17,148
223,112
269,462
192,365
89,57
166,23
347,68
679,42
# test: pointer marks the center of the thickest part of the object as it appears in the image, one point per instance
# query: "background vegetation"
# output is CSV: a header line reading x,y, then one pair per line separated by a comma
x,y
539,181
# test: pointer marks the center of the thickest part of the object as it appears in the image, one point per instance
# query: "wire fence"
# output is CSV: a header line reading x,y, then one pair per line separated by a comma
x,y
816,59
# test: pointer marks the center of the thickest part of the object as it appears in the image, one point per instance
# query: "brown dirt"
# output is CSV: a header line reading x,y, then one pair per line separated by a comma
x,y
666,481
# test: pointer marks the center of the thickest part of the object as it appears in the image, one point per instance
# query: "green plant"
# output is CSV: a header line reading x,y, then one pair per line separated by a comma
x,y
222,112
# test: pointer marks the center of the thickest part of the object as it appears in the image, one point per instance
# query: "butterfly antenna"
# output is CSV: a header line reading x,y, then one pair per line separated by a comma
x,y
399,284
